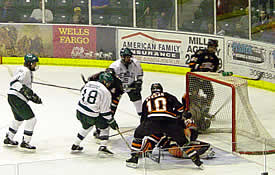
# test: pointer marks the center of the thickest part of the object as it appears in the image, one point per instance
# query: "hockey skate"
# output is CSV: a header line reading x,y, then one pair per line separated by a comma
x,y
10,142
133,161
104,152
209,154
27,147
76,148
196,160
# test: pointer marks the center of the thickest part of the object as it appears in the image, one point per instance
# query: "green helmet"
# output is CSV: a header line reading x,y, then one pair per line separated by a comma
x,y
106,79
126,52
30,58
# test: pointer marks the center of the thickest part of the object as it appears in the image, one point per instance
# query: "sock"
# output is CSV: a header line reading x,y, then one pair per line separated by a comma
x,y
28,130
13,128
82,134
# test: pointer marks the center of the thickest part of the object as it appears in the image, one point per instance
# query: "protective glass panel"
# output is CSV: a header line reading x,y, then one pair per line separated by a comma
x,y
115,13
196,16
232,18
262,17
155,14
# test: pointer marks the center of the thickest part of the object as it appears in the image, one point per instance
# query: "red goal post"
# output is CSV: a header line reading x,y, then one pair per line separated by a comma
x,y
228,110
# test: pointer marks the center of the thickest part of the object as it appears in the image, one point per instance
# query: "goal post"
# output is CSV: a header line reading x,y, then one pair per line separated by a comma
x,y
220,104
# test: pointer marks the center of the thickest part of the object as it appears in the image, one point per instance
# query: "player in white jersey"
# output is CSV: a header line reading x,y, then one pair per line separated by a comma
x,y
94,108
129,71
19,94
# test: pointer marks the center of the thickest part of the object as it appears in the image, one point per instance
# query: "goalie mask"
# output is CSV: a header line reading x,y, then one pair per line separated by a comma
x,y
106,79
156,87
212,45
126,55
31,62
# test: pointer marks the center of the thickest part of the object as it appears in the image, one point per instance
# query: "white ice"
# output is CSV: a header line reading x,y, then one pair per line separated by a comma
x,y
57,127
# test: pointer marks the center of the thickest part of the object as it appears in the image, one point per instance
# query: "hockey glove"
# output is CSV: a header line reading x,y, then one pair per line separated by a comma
x,y
26,91
136,85
186,115
112,123
36,99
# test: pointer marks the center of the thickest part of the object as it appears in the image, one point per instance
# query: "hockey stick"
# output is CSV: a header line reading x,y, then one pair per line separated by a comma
x,y
123,138
220,108
83,78
122,132
258,78
46,84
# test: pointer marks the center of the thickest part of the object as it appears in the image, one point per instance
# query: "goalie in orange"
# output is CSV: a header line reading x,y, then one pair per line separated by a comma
x,y
202,148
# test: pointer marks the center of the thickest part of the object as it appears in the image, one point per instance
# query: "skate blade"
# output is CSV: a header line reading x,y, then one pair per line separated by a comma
x,y
26,150
102,154
77,151
201,167
10,146
131,165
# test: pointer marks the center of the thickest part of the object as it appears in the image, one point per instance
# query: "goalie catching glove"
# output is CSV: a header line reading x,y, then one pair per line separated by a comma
x,y
113,124
28,93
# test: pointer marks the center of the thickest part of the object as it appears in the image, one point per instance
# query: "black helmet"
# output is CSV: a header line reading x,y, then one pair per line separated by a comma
x,y
156,87
212,42
126,52
111,71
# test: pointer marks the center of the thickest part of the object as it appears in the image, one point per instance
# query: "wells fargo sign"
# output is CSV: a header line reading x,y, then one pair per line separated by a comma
x,y
74,41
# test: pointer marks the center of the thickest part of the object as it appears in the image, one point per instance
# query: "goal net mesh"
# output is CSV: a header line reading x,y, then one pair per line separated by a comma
x,y
221,104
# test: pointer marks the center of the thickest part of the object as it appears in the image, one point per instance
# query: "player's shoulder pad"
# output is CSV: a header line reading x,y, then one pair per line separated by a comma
x,y
134,60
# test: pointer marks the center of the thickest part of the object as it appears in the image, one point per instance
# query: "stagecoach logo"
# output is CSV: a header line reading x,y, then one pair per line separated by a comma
x,y
149,46
247,53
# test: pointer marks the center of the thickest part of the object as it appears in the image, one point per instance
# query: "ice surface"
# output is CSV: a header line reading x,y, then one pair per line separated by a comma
x,y
57,127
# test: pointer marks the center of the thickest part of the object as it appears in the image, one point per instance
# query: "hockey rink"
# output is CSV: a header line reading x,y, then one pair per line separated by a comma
x,y
57,128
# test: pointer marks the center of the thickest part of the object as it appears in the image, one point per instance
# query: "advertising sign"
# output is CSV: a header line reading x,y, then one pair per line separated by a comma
x,y
250,59
162,47
247,54
273,60
74,41
18,40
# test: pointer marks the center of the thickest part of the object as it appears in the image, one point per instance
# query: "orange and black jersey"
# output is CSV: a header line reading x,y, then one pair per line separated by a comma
x,y
204,61
161,105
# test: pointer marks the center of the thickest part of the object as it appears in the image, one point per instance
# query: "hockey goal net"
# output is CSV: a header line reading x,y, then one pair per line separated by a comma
x,y
221,104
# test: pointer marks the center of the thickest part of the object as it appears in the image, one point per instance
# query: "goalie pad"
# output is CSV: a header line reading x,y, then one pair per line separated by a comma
x,y
203,149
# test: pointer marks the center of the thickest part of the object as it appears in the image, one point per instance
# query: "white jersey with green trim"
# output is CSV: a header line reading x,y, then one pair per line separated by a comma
x,y
128,75
22,75
95,100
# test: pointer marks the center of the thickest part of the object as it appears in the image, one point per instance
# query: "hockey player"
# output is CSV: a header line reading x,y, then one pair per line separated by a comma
x,y
116,90
129,71
203,149
19,94
94,108
160,114
203,60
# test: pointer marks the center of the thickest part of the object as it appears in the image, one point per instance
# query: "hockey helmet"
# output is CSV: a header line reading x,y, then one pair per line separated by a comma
x,y
111,71
106,79
156,87
29,60
126,52
212,42
126,55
